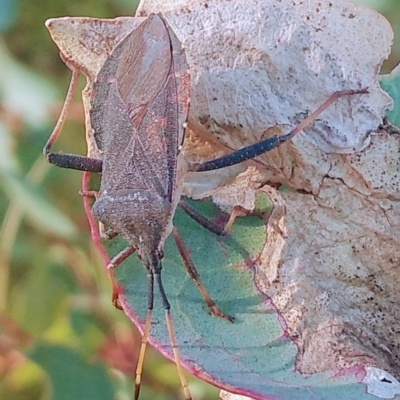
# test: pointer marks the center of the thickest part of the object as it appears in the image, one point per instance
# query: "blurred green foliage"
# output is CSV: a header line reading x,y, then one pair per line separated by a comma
x,y
60,337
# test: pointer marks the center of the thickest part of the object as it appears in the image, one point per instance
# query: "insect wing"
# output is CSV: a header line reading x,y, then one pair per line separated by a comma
x,y
177,106
139,105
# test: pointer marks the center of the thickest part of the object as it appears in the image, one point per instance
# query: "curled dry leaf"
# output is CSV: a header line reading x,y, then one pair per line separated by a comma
x,y
329,264
260,63
334,276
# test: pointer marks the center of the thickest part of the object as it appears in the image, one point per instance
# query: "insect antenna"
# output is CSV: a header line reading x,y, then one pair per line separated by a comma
x,y
177,356
146,332
154,273
172,339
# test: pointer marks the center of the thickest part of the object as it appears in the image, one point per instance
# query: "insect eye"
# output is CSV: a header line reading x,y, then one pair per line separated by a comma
x,y
160,255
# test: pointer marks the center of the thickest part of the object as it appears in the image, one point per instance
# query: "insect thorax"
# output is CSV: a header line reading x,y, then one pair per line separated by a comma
x,y
140,216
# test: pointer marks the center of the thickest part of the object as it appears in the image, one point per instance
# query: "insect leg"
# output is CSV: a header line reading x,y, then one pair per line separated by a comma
x,y
238,211
192,271
117,260
256,149
209,224
72,161
200,218
63,115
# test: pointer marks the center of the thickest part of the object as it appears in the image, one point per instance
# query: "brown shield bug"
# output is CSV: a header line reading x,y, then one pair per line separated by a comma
x,y
139,108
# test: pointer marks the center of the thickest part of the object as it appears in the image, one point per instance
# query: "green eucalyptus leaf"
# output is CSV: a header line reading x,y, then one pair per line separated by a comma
x,y
255,354
391,84
41,288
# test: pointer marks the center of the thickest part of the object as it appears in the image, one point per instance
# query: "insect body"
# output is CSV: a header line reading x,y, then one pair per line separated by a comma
x,y
139,107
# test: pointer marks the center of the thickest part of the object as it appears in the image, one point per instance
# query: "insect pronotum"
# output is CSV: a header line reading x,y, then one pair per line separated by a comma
x,y
139,108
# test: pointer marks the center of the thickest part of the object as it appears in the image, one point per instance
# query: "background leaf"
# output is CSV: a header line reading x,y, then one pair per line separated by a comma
x,y
38,209
71,376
